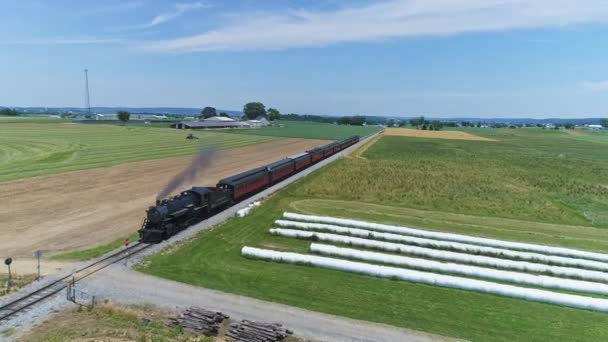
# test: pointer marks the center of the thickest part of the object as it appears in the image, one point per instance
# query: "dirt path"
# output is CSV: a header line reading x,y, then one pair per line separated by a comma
x,y
415,133
80,209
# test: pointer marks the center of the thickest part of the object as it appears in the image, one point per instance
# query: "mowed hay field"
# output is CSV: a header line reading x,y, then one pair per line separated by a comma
x,y
31,149
309,130
416,133
533,185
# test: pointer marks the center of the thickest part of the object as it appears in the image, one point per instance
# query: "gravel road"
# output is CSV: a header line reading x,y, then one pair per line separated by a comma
x,y
126,286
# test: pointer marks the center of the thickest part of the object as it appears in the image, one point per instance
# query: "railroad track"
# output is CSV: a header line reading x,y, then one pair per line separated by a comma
x,y
22,303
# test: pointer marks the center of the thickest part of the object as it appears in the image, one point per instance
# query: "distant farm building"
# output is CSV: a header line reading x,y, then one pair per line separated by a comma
x,y
213,122
259,122
219,119
221,122
595,127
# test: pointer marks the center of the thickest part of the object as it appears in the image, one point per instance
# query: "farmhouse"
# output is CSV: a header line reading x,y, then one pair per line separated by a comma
x,y
213,122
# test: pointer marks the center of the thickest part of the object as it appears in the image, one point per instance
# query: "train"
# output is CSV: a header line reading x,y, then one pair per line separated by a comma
x,y
172,215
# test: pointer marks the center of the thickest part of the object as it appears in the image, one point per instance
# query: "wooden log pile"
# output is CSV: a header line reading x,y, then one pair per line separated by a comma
x,y
250,331
199,321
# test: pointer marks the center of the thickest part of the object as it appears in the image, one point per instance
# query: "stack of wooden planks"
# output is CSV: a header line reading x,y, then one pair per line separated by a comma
x,y
199,320
250,331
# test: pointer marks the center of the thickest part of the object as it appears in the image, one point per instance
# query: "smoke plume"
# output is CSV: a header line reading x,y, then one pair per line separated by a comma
x,y
200,162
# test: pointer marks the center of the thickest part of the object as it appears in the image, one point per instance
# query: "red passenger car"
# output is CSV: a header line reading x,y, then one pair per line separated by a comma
x,y
280,170
302,160
246,183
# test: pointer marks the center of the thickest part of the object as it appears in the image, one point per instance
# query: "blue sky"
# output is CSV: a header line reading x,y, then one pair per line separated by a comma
x,y
482,58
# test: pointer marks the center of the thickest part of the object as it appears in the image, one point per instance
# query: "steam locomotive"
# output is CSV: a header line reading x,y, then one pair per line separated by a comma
x,y
172,215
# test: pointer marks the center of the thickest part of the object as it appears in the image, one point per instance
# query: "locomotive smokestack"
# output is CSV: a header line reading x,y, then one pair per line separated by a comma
x,y
200,162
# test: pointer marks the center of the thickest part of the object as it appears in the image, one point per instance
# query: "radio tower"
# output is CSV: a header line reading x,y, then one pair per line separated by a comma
x,y
87,102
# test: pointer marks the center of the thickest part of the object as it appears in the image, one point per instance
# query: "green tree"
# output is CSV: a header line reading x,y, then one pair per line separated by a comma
x,y
208,112
123,116
437,125
224,114
357,120
345,120
569,125
420,121
273,114
604,122
253,110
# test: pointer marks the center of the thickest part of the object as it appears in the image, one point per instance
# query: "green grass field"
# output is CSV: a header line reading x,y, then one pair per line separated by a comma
x,y
309,130
593,136
38,149
532,185
533,175
30,119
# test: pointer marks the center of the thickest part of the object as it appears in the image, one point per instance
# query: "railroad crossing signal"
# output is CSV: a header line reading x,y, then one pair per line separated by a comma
x,y
8,262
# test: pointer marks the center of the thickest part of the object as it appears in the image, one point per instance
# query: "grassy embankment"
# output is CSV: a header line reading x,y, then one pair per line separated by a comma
x,y
530,185
309,130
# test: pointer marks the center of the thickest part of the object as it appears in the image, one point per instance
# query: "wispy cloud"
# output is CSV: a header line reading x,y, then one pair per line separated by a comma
x,y
382,20
594,85
179,9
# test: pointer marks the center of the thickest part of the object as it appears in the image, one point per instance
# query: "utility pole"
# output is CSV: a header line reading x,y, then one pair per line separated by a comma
x,y
87,100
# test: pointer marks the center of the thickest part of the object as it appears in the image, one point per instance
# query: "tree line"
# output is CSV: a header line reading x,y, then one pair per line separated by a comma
x,y
255,110
8,112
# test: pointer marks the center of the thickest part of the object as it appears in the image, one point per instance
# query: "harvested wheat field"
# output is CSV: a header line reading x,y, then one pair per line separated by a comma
x,y
454,135
79,209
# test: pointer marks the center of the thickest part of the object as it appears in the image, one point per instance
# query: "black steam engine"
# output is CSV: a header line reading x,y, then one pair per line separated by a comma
x,y
172,215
